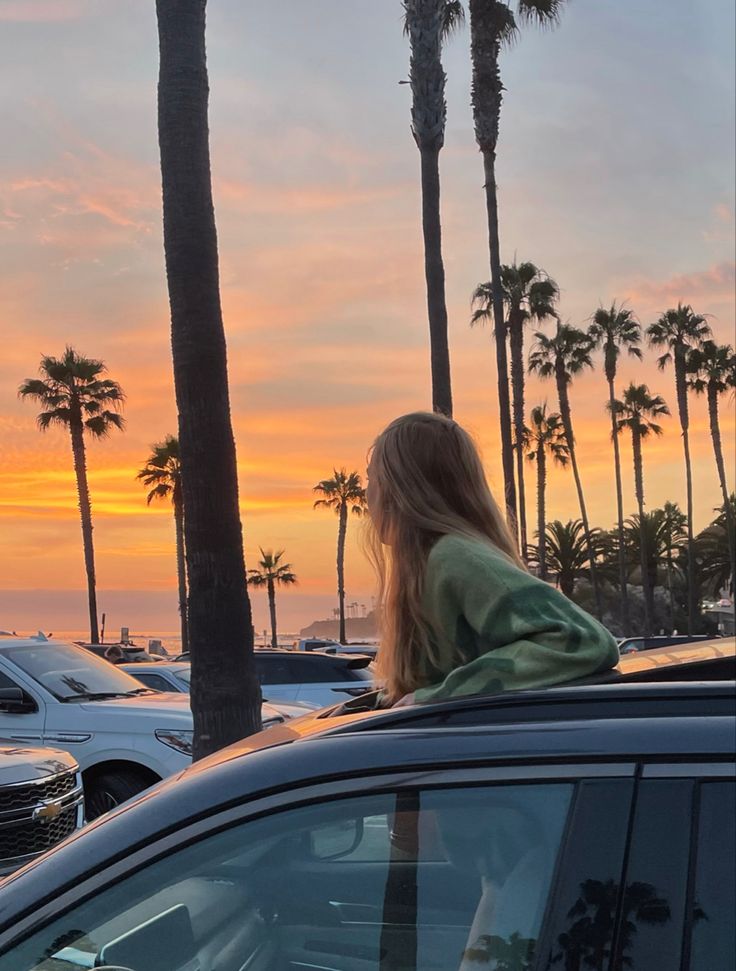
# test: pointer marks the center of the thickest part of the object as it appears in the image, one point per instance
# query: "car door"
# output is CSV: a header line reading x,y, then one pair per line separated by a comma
x,y
680,883
22,723
454,871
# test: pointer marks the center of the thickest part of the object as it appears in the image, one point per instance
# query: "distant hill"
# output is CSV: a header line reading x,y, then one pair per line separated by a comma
x,y
356,628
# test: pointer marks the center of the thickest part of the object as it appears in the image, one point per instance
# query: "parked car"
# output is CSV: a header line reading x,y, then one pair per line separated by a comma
x,y
524,829
176,676
314,677
324,644
125,737
41,802
131,653
370,650
630,645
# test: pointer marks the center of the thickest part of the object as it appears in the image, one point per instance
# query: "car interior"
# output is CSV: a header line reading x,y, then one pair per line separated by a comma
x,y
437,880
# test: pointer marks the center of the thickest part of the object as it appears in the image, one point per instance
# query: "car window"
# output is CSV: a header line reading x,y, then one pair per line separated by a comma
x,y
68,671
153,681
185,676
6,682
273,669
446,879
713,903
653,914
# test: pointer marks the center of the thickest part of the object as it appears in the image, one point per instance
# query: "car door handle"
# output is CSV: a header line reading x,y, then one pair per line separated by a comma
x,y
26,737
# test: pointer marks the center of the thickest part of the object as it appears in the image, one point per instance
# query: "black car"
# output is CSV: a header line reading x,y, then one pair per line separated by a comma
x,y
586,827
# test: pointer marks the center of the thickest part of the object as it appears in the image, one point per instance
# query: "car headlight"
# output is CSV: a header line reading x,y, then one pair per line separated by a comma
x,y
182,741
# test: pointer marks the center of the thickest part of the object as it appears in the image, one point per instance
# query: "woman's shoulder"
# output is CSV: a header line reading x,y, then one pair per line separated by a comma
x,y
456,551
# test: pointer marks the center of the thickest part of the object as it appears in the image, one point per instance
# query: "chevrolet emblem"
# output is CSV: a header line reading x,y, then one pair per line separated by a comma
x,y
49,810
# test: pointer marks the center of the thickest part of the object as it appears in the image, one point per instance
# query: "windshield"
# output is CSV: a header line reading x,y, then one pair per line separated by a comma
x,y
70,672
184,675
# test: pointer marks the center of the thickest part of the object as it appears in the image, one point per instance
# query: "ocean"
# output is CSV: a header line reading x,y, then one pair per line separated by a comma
x,y
170,640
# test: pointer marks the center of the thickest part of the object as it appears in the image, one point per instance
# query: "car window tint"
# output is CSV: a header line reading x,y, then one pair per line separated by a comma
x,y
713,943
273,669
316,670
446,879
6,682
579,927
154,681
651,924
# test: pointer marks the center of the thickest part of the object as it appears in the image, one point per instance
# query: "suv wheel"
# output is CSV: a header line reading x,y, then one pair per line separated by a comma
x,y
108,789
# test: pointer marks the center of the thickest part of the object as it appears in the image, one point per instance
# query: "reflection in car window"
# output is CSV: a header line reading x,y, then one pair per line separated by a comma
x,y
714,901
443,879
652,919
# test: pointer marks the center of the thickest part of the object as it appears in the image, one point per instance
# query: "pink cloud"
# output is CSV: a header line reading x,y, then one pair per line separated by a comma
x,y
716,284
40,11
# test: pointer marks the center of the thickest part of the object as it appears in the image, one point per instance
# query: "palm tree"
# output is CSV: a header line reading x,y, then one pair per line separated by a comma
x,y
713,370
681,330
528,294
272,573
546,436
636,412
162,472
713,547
492,27
674,532
427,23
562,357
344,493
617,329
74,394
568,552
225,696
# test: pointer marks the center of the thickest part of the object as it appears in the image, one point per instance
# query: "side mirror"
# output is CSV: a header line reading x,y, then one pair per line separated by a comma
x,y
332,841
15,701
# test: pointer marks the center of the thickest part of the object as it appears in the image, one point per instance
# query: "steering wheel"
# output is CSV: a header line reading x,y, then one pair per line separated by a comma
x,y
113,967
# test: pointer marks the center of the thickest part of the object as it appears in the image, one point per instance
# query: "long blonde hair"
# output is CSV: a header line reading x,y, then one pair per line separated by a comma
x,y
426,480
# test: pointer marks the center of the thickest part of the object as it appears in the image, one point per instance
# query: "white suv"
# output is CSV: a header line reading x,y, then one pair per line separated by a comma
x,y
125,737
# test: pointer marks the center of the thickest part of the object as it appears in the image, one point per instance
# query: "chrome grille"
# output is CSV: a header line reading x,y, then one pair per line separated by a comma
x,y
30,794
31,837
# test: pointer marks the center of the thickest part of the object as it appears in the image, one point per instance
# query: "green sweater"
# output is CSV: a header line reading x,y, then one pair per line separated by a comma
x,y
513,630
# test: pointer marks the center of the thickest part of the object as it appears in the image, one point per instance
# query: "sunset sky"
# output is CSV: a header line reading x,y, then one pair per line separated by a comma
x,y
616,174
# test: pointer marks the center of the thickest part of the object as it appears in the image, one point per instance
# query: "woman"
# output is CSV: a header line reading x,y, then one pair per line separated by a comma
x,y
460,612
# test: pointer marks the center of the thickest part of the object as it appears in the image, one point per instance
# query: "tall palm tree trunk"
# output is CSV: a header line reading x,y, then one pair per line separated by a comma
x,y
225,695
715,433
620,512
542,511
516,342
272,612
341,531
643,554
434,272
566,415
181,567
486,97
682,408
502,369
85,513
